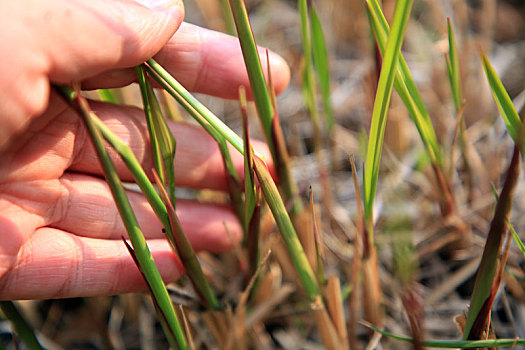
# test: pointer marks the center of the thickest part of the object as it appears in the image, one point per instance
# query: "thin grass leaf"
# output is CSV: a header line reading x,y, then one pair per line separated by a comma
x,y
162,317
451,344
506,107
382,102
308,74
193,106
322,66
516,237
22,328
143,254
249,177
405,85
252,214
148,111
107,95
166,141
228,18
510,227
263,103
253,67
453,67
483,285
162,141
182,246
139,175
273,198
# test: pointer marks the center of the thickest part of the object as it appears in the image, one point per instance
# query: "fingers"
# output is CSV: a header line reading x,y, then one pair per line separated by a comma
x,y
203,61
198,162
54,264
87,208
67,41
103,35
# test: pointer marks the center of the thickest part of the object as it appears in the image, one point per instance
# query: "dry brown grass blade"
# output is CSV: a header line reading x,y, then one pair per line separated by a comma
x,y
334,303
372,294
414,308
325,326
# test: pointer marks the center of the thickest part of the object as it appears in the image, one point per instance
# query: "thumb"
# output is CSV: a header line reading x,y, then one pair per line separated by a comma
x,y
64,41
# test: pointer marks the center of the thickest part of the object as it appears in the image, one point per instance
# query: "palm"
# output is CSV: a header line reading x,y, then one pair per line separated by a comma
x,y
58,221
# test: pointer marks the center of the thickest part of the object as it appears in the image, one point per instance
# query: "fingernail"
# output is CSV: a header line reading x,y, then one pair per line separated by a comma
x,y
161,5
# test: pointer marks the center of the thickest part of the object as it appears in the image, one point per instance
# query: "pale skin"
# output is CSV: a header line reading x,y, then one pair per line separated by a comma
x,y
60,233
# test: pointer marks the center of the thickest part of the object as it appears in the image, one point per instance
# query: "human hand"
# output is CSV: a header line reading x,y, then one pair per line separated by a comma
x,y
59,228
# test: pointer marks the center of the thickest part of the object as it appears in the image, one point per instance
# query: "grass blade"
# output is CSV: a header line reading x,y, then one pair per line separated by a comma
x,y
322,66
252,214
194,107
162,141
515,235
453,67
253,66
287,230
148,111
107,95
382,101
263,102
143,254
506,107
162,317
182,246
452,344
405,85
308,86
483,286
22,328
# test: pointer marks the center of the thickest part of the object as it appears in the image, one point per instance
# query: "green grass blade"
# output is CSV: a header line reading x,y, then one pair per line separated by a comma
x,y
148,111
382,102
405,85
166,141
273,198
453,67
107,95
503,101
22,328
322,66
263,103
452,344
143,254
483,285
228,18
162,318
194,107
209,122
139,175
180,242
308,71
253,66
516,237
